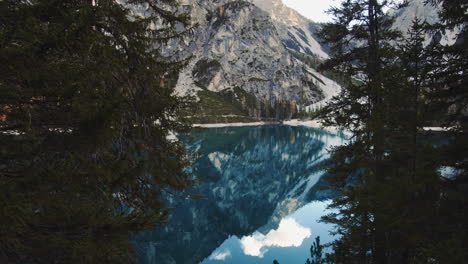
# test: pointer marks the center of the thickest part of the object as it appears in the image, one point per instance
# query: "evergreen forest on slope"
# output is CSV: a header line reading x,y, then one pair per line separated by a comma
x,y
88,111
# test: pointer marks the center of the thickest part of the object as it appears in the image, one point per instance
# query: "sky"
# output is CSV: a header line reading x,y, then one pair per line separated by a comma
x,y
312,9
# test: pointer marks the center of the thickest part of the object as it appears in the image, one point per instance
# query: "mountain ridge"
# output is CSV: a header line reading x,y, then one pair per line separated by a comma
x,y
238,52
251,59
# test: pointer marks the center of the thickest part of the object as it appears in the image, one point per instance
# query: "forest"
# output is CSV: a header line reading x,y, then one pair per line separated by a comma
x,y
406,201
87,111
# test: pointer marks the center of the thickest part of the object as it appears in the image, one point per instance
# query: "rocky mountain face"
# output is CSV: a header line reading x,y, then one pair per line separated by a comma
x,y
256,59
296,31
242,60
425,12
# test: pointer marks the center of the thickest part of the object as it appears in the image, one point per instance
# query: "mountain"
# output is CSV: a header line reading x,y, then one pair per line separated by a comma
x,y
296,31
243,67
257,59
428,13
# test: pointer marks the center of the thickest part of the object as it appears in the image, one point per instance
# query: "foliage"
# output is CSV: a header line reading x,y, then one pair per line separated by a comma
x,y
237,105
306,114
219,107
316,254
450,95
203,72
391,211
86,108
309,60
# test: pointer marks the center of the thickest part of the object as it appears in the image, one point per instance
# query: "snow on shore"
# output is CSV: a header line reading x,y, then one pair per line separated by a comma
x,y
437,129
231,124
312,123
306,123
293,122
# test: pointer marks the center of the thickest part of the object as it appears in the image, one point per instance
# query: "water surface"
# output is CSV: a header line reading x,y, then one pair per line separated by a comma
x,y
262,197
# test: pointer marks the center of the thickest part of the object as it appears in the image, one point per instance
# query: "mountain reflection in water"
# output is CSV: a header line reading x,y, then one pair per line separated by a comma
x,y
261,198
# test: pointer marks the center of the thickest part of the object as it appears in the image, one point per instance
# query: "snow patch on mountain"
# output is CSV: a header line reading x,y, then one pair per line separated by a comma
x,y
294,29
329,87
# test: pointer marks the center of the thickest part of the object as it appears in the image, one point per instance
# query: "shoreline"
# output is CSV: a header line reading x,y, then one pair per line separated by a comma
x,y
297,122
292,122
238,124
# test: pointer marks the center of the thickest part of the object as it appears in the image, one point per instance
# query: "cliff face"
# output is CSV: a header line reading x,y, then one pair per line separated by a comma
x,y
425,12
256,58
239,46
296,31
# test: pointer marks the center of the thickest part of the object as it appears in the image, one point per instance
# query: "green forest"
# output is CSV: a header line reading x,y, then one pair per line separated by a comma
x,y
86,105
87,110
397,208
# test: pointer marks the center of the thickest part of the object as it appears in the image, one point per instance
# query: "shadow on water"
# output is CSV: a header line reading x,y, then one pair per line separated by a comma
x,y
253,177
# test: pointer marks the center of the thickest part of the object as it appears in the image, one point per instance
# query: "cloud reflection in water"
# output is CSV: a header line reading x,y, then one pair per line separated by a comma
x,y
288,234
221,255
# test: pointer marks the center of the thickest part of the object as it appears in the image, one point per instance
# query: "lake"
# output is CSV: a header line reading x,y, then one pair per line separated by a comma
x,y
263,193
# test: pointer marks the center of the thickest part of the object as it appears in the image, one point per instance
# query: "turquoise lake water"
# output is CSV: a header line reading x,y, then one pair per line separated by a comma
x,y
263,193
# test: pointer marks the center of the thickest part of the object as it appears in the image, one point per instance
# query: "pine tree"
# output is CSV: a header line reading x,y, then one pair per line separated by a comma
x,y
393,198
316,255
386,210
361,40
451,62
86,108
450,96
415,186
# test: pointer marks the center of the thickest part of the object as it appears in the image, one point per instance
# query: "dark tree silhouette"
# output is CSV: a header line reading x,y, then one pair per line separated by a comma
x,y
86,108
